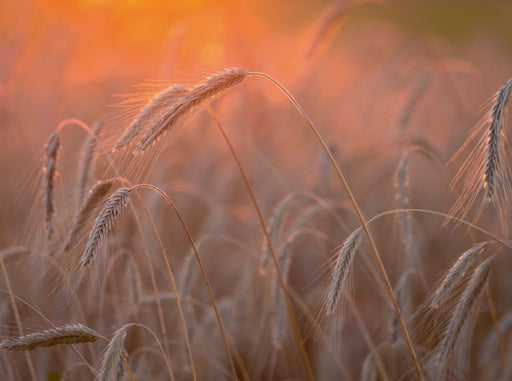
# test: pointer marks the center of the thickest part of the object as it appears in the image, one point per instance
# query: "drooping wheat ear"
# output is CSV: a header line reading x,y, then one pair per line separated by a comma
x,y
69,334
456,272
147,118
49,174
342,268
402,190
111,368
493,159
94,197
212,86
274,228
462,312
87,162
113,206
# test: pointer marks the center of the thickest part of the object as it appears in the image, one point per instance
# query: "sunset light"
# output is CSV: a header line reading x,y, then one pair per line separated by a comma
x,y
255,190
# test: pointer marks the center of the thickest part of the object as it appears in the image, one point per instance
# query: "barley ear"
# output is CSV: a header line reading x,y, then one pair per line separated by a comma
x,y
150,113
455,273
111,368
49,174
462,312
111,210
342,268
494,161
204,91
94,197
69,334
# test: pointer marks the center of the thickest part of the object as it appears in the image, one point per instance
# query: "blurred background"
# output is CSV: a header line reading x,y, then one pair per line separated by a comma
x,y
376,77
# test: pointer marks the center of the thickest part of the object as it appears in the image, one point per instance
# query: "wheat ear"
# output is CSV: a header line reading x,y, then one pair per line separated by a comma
x,y
342,268
464,307
493,158
456,272
402,187
94,197
113,206
69,334
274,228
200,93
86,168
49,174
111,368
150,113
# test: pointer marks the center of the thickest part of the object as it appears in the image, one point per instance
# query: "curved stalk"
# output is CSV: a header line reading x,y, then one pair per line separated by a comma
x,y
359,215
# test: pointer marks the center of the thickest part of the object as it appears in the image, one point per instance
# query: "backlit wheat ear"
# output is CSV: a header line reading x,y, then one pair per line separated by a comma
x,y
342,268
456,272
493,159
464,307
94,197
274,228
49,174
69,334
86,168
111,368
202,92
486,170
103,223
149,114
402,188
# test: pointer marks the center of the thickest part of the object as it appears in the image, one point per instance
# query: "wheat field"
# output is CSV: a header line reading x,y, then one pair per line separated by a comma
x,y
236,190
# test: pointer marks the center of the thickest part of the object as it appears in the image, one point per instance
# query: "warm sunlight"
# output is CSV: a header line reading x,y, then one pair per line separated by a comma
x,y
237,190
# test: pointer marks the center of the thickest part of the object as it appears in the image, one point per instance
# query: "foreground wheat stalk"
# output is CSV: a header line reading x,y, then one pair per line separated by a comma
x,y
69,334
50,172
462,312
202,92
103,223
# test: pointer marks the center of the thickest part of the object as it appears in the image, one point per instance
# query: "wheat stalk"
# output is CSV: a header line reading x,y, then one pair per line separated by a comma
x,y
84,176
342,268
111,368
200,93
465,305
94,197
103,223
274,228
69,334
486,167
49,174
150,113
402,185
456,272
493,158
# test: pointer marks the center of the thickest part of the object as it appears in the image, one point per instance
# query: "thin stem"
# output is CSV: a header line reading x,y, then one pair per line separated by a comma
x,y
446,216
271,247
17,316
175,290
203,271
153,279
78,122
359,215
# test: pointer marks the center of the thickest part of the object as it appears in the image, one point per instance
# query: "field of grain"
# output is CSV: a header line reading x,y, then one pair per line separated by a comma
x,y
238,190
